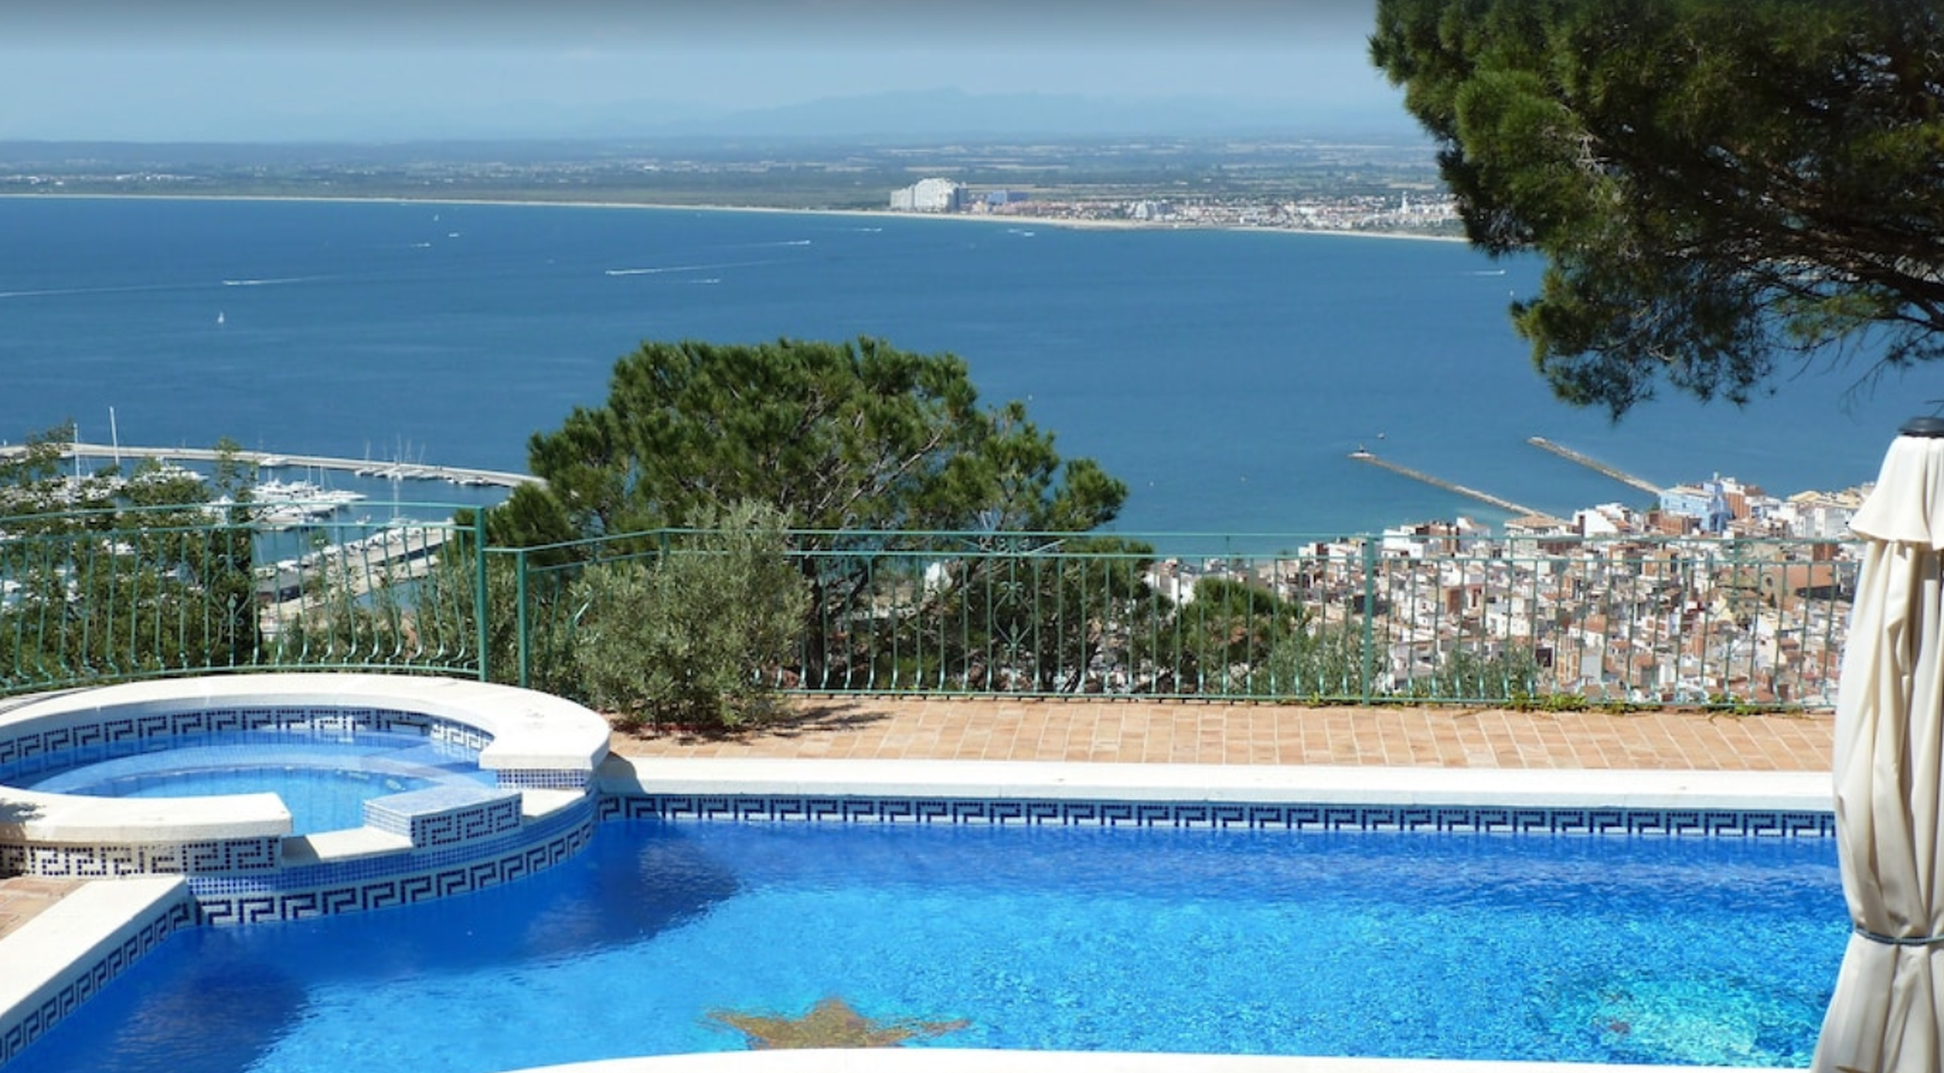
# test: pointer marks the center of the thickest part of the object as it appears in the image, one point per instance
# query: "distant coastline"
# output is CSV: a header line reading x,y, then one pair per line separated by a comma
x,y
1093,224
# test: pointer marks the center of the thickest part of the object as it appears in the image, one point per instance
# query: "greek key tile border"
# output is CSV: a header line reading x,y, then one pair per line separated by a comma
x,y
544,778
1685,823
102,861
25,1024
378,882
28,751
457,825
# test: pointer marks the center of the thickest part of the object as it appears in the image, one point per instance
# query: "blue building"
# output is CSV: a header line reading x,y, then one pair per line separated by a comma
x,y
1706,502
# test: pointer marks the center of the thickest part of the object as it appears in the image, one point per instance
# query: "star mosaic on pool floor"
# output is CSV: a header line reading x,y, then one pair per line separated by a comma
x,y
832,1022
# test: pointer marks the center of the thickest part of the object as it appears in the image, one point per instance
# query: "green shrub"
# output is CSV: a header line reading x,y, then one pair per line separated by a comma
x,y
1321,662
1468,677
697,636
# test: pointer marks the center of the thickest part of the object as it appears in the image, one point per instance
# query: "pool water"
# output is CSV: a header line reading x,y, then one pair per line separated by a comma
x,y
1584,949
323,779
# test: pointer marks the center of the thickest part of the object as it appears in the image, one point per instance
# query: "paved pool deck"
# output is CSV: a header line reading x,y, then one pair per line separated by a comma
x,y
1184,732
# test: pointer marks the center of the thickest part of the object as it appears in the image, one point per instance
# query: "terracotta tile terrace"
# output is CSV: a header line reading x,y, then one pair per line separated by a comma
x,y
1177,732
23,897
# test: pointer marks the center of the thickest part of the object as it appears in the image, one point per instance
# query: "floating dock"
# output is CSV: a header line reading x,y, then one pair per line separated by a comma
x,y
1595,465
399,553
1516,509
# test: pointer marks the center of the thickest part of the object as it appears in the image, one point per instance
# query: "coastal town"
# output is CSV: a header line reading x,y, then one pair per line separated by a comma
x,y
1427,214
1720,594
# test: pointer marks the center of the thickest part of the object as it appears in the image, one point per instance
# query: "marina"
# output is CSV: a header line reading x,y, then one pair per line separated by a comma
x,y
406,551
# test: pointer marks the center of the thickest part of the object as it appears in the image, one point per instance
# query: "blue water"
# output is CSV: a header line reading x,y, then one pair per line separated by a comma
x,y
1568,949
323,780
1223,375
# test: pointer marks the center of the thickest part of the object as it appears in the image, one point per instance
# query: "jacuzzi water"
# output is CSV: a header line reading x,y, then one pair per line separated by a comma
x,y
1576,948
323,778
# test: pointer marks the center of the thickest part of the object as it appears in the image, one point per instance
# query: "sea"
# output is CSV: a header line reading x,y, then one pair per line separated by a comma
x,y
1227,376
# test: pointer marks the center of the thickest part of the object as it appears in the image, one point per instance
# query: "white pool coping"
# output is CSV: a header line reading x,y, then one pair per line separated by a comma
x,y
530,730
1321,785
948,1060
80,928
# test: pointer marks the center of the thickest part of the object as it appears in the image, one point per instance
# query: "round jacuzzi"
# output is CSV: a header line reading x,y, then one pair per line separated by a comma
x,y
281,796
324,779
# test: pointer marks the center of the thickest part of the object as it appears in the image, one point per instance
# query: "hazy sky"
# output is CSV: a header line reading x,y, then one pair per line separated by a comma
x,y
234,70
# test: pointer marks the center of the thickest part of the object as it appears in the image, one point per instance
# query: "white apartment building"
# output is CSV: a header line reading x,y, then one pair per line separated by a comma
x,y
928,195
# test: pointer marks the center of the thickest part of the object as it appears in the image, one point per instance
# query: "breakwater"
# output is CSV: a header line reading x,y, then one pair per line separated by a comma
x,y
1500,502
1593,464
265,460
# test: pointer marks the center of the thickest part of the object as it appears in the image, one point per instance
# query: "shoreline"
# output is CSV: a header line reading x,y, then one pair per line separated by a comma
x,y
963,217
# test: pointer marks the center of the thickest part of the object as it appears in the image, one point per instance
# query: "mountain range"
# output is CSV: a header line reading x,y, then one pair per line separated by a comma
x,y
930,115
936,113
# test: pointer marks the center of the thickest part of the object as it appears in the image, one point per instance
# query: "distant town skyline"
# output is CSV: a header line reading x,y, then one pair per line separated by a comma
x,y
224,70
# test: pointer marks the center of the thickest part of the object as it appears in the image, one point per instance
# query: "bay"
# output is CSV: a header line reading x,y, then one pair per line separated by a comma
x,y
1226,376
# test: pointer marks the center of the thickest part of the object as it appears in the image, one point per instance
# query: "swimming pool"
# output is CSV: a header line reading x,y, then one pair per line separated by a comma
x,y
1567,948
324,778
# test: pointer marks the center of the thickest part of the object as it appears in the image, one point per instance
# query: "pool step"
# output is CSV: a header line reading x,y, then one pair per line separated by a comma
x,y
445,815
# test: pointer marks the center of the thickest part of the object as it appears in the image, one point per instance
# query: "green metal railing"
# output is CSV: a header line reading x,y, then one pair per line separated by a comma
x,y
1559,622
120,594
104,596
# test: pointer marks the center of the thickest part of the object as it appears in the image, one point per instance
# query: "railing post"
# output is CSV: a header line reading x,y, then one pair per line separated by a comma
x,y
522,638
1368,669
482,633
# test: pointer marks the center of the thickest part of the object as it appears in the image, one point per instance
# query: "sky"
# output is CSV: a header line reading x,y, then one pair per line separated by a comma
x,y
290,70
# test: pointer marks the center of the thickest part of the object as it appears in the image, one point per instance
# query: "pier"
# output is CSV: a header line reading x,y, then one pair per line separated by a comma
x,y
355,567
269,460
1506,505
1595,465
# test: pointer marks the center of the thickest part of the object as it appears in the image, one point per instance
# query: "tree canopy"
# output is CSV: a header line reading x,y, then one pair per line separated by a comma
x,y
833,435
1715,186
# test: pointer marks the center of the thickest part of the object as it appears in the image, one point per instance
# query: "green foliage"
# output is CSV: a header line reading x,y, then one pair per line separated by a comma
x,y
1047,617
833,436
861,437
114,577
697,636
539,651
1712,183
1728,703
1323,662
1464,675
1560,702
1224,638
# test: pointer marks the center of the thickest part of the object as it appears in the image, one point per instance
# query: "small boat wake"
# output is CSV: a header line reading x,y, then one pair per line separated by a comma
x,y
672,269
